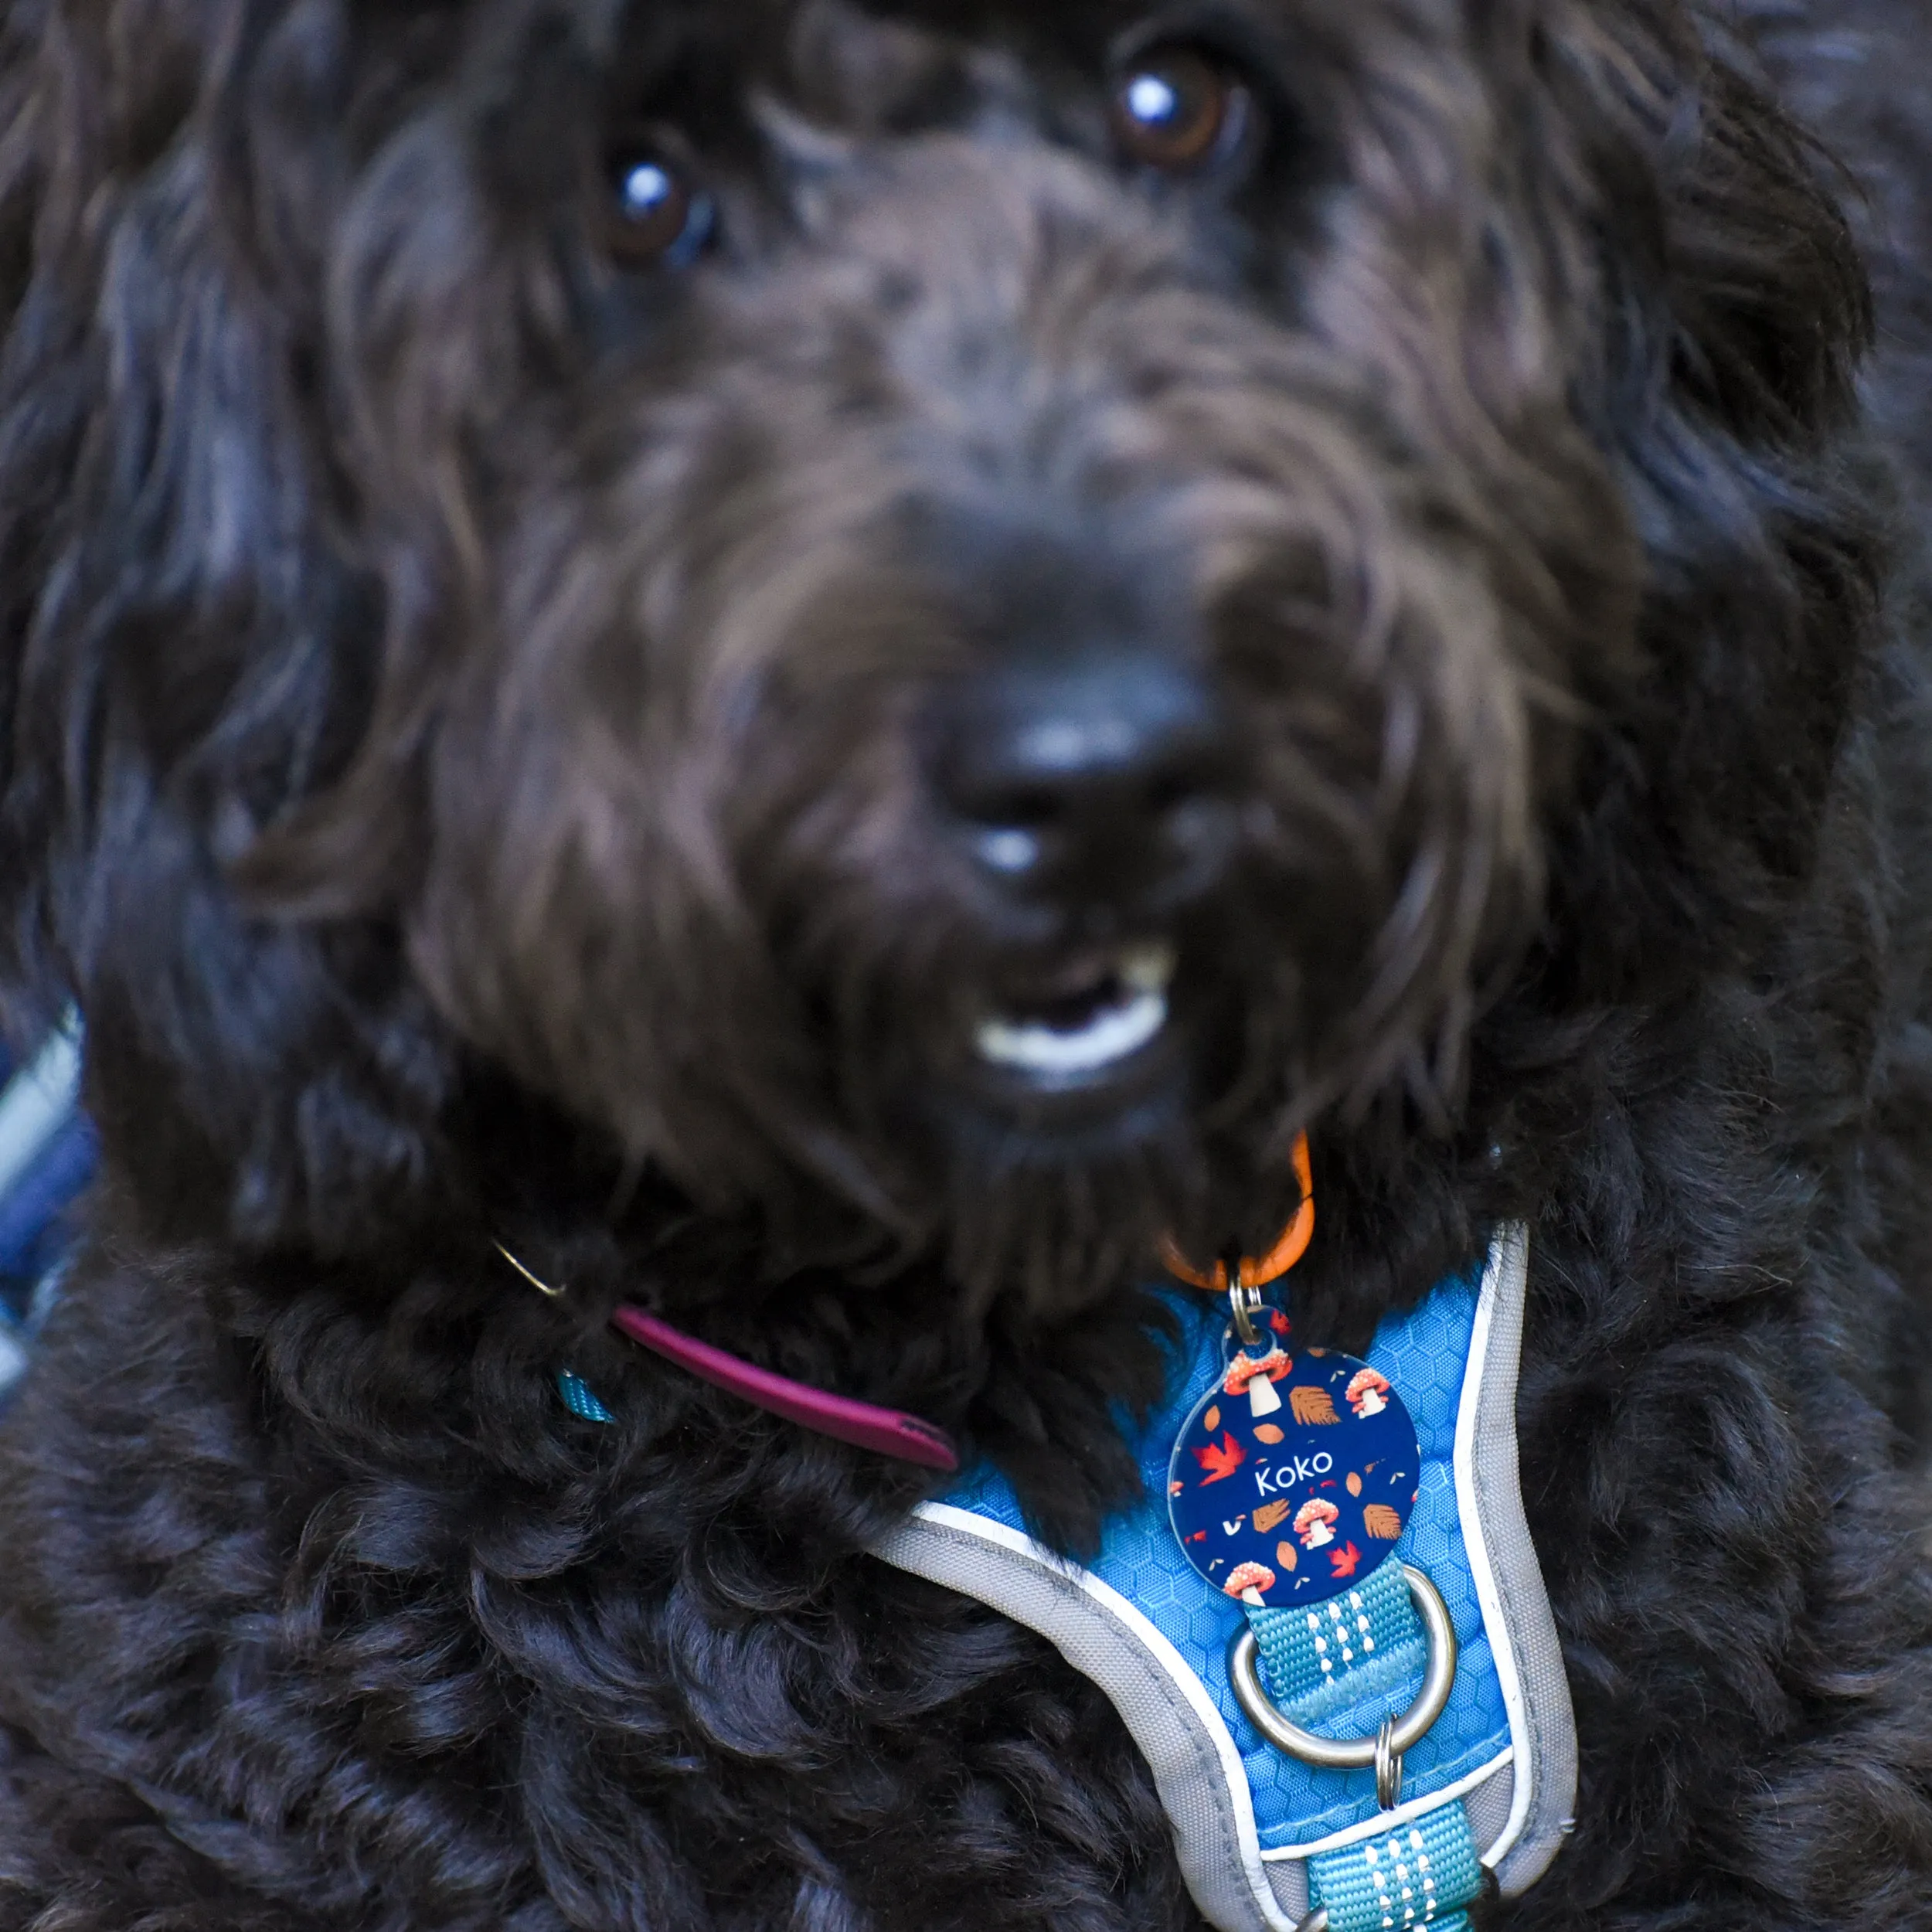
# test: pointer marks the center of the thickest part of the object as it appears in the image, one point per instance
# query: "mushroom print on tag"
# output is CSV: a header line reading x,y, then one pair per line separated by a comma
x,y
1293,1474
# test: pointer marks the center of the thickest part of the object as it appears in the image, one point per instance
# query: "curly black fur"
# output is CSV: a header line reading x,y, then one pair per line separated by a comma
x,y
463,700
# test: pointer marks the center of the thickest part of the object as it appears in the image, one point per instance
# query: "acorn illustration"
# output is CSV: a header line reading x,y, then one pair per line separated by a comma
x,y
1368,1393
1247,1581
1315,1523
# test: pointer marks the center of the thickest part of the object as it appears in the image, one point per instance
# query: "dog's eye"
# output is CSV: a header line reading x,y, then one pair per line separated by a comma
x,y
1176,108
658,213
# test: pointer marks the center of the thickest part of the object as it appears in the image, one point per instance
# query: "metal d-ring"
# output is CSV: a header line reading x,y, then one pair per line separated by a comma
x,y
1383,1750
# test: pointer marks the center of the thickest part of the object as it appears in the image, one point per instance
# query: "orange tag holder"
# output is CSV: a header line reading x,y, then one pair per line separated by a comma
x,y
1258,1272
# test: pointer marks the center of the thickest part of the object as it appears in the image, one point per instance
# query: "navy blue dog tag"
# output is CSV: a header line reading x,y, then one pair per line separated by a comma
x,y
1294,1474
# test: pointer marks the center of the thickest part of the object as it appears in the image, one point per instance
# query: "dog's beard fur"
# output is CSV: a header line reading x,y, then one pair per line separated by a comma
x,y
664,844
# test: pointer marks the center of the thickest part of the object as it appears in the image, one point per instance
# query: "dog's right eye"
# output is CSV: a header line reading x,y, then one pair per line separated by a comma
x,y
658,214
1177,108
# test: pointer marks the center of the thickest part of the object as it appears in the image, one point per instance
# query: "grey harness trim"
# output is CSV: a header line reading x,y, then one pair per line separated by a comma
x,y
1519,1805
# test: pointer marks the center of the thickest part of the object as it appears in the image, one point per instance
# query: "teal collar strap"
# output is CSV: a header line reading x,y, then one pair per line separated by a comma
x,y
1267,1841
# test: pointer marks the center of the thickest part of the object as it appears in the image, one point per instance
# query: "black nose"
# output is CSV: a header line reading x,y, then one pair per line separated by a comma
x,y
1099,777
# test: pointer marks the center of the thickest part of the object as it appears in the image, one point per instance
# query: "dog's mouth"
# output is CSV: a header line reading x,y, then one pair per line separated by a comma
x,y
1082,1023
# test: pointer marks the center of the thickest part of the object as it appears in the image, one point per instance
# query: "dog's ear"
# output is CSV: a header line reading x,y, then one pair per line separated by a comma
x,y
1735,313
35,447
1735,288
185,645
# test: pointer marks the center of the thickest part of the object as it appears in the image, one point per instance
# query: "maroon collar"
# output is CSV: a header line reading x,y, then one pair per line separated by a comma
x,y
889,1431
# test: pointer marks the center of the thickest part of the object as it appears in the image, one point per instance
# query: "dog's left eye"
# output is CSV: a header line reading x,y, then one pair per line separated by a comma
x,y
658,213
1177,108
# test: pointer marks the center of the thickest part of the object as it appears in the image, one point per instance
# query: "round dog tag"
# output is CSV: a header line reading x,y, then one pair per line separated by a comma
x,y
1293,1475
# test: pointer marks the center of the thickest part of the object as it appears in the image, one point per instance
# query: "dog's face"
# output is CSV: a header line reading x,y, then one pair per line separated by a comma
x,y
991,605
1018,580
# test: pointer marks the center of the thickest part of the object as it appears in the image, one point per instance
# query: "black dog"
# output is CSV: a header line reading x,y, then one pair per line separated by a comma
x,y
826,666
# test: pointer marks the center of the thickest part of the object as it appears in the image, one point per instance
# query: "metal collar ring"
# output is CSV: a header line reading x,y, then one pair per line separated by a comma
x,y
1355,1753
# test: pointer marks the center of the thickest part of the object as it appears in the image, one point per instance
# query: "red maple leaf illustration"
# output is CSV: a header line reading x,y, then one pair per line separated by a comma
x,y
1220,1459
1343,1561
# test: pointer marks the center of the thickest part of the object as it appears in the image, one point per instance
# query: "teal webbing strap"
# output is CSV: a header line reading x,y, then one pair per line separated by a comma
x,y
1367,1642
1366,1646
580,1399
1421,1874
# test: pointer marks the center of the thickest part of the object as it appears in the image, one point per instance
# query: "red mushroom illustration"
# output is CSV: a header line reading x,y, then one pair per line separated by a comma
x,y
1257,1375
1368,1393
1247,1581
1315,1523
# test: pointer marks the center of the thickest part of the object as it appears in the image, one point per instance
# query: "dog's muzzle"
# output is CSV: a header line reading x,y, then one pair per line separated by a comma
x,y
1091,791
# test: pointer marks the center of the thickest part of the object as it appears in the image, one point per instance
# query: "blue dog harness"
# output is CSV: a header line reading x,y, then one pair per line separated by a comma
x,y
1268,1841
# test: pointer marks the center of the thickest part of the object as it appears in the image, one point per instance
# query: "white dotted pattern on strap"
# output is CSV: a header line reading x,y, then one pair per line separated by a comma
x,y
1395,1887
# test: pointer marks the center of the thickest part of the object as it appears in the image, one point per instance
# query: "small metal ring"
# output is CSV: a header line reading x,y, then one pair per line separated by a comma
x,y
1388,1767
1245,1303
1354,1753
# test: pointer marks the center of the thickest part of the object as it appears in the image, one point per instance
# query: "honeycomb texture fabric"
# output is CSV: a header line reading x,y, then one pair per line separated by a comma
x,y
1153,1634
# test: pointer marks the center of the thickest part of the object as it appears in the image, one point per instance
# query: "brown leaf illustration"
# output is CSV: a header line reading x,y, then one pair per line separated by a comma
x,y
1267,1432
1311,1407
1354,1484
1285,1554
1380,1521
1268,1515
1211,1420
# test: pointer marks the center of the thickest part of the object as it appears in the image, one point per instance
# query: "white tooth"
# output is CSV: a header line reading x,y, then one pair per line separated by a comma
x,y
1108,1036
